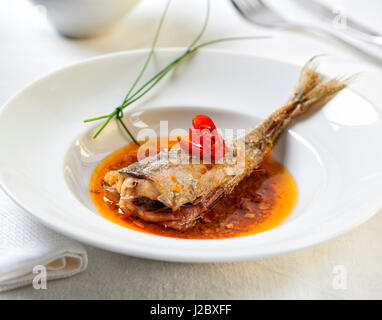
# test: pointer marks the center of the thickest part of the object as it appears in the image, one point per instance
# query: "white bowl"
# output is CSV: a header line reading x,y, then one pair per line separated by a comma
x,y
48,154
84,18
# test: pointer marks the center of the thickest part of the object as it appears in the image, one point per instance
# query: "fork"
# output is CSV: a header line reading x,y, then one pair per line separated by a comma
x,y
258,13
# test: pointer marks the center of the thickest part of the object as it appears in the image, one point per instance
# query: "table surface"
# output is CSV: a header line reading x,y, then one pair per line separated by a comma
x,y
31,48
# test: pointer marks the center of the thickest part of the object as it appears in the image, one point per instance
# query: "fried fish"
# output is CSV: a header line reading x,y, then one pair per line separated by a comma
x,y
170,189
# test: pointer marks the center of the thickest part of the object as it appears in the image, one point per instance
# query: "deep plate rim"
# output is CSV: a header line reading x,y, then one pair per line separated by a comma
x,y
69,231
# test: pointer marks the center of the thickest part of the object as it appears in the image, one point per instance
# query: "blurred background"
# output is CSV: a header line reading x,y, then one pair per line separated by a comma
x,y
32,41
39,36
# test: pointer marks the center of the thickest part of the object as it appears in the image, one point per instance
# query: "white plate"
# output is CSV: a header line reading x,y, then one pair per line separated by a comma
x,y
47,154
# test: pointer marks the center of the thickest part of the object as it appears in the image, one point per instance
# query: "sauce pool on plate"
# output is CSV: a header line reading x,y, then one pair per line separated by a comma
x,y
259,203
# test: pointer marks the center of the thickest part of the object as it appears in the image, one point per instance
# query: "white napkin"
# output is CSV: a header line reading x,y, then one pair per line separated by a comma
x,y
25,244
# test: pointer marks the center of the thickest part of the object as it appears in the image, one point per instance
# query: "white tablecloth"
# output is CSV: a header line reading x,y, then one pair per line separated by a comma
x,y
30,48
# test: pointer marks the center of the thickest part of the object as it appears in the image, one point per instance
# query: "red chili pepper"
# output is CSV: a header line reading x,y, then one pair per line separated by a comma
x,y
191,148
195,136
204,141
202,121
207,139
218,148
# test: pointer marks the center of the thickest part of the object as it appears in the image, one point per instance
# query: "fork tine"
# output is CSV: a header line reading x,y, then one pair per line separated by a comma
x,y
246,6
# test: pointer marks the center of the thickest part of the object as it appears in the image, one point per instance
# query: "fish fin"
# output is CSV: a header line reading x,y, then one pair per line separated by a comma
x,y
314,90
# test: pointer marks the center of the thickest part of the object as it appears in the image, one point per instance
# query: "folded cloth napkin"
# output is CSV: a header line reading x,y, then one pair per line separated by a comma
x,y
26,244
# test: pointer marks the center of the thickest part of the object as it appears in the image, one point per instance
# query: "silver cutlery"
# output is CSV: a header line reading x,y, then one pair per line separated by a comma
x,y
258,13
352,27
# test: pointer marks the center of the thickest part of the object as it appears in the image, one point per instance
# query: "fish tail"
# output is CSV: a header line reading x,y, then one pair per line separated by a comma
x,y
313,90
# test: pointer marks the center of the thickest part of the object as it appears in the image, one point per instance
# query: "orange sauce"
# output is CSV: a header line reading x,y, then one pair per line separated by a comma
x,y
259,203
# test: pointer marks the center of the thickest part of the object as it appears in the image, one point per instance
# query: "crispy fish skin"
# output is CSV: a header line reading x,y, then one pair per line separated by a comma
x,y
178,202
